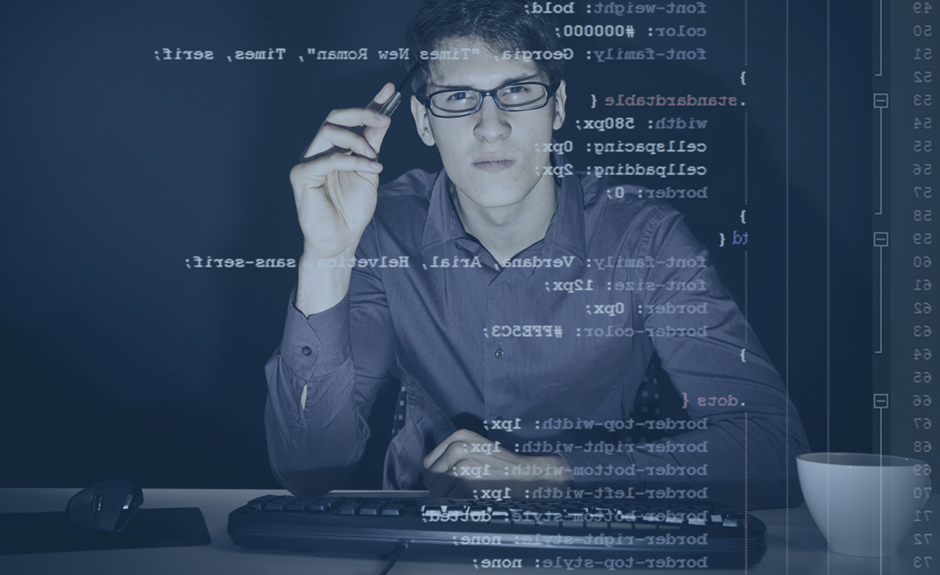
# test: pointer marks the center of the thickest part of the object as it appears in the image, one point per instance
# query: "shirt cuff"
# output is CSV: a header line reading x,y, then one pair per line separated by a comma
x,y
316,345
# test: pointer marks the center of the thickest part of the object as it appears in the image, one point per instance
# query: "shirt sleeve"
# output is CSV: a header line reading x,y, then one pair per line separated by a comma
x,y
319,395
746,433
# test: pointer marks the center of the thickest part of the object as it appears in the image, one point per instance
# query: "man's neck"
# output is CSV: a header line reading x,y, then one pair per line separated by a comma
x,y
507,230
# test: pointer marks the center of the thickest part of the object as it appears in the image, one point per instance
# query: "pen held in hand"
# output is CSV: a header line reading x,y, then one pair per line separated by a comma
x,y
387,108
390,105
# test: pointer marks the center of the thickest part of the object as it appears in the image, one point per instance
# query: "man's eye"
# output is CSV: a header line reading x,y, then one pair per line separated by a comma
x,y
516,89
459,96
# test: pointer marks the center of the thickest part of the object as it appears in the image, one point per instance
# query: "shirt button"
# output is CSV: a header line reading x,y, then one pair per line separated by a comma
x,y
500,353
305,350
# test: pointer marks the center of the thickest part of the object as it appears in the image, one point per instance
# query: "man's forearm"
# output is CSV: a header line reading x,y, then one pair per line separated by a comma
x,y
314,431
312,447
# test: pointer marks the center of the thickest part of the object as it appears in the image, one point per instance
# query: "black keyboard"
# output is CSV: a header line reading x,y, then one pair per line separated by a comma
x,y
575,533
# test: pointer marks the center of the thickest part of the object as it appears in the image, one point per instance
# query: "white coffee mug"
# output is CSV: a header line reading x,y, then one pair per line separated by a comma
x,y
864,504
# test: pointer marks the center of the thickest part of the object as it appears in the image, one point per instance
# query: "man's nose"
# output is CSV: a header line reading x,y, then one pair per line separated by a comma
x,y
491,122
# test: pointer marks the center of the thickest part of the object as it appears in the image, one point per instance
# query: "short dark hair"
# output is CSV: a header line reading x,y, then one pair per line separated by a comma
x,y
500,24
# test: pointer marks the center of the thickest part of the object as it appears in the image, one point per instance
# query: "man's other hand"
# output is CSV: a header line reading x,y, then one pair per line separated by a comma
x,y
466,463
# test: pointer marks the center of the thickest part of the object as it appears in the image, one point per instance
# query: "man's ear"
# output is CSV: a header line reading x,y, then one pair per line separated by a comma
x,y
422,121
560,96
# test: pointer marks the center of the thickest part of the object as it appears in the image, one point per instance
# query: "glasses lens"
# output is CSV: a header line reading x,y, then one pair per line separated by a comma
x,y
455,102
522,97
514,98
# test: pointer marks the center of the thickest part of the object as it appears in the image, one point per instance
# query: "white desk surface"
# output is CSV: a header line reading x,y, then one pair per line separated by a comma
x,y
795,546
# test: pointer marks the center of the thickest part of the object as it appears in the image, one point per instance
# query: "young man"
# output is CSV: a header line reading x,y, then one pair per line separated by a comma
x,y
519,309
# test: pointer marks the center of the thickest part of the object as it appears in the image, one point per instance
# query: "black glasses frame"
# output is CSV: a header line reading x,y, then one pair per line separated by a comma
x,y
549,88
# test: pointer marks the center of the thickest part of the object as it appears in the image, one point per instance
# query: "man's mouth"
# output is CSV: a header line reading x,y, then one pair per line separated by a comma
x,y
493,162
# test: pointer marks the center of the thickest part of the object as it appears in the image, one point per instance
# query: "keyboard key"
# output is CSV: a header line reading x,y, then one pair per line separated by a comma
x,y
258,502
320,506
621,526
393,510
477,515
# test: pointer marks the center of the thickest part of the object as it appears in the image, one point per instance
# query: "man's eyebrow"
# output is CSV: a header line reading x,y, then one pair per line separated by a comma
x,y
507,82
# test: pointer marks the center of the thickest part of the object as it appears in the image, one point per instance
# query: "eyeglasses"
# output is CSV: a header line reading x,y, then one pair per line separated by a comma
x,y
510,98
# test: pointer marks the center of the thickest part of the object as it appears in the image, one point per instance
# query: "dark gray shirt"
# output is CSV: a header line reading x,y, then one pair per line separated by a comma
x,y
543,353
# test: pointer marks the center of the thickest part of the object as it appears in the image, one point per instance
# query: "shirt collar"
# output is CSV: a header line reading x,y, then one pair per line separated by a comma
x,y
442,223
565,231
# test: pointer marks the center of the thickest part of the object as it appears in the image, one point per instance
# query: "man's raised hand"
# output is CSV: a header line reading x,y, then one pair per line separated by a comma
x,y
335,182
335,193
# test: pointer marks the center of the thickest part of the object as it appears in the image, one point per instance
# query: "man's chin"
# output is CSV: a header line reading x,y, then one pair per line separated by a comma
x,y
494,198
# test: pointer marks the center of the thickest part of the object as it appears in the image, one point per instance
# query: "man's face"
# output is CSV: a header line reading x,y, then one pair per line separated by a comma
x,y
495,158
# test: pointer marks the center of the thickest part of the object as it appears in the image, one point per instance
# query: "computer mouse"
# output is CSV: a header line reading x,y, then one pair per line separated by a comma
x,y
106,507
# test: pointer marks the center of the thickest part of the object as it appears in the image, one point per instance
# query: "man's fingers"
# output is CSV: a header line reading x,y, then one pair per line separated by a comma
x,y
387,91
449,458
442,464
333,139
352,121
355,117
461,436
322,167
377,135
315,172
346,129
